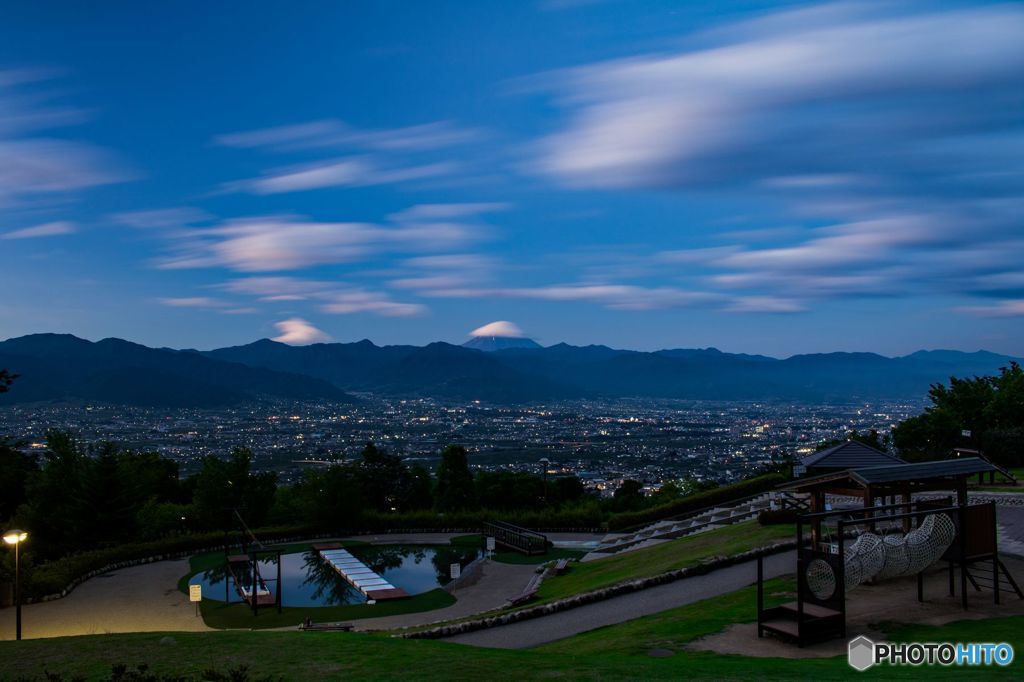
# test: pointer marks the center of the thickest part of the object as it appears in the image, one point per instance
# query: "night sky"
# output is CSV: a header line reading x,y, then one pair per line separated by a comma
x,y
761,177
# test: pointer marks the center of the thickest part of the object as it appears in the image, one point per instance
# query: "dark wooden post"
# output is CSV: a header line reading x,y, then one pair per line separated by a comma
x,y
963,549
760,591
254,588
280,590
995,556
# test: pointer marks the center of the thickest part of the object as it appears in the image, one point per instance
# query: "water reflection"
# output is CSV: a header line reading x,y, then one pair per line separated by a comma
x,y
310,581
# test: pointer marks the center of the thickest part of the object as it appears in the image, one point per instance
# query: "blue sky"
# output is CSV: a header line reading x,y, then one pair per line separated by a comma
x,y
762,177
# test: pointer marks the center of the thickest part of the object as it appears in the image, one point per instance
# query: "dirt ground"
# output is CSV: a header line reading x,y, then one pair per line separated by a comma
x,y
138,599
869,605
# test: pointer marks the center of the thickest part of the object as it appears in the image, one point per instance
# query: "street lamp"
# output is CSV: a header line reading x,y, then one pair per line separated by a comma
x,y
545,462
16,537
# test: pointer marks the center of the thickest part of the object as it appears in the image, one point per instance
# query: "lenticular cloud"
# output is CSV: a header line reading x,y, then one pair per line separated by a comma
x,y
501,328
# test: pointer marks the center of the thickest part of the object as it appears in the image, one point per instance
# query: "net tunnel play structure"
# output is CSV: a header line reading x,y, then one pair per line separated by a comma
x,y
840,550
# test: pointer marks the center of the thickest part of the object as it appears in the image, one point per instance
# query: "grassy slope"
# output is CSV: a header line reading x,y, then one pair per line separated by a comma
x,y
616,652
235,616
583,577
664,557
675,628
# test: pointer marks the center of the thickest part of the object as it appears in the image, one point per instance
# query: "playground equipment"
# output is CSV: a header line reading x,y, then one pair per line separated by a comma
x,y
243,571
881,557
879,543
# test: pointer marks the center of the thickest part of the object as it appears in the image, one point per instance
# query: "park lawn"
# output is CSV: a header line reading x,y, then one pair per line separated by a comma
x,y
667,556
234,616
615,652
512,557
676,628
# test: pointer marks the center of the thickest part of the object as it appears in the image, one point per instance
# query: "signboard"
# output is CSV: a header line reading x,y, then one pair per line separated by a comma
x,y
456,571
965,433
490,544
195,593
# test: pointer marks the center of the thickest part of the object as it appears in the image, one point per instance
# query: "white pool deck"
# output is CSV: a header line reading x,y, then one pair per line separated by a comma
x,y
359,575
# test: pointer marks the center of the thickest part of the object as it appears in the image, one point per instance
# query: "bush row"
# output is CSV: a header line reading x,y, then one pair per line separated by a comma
x,y
776,517
56,578
696,502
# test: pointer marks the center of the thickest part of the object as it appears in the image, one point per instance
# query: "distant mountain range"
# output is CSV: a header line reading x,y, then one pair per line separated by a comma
x,y
63,367
493,343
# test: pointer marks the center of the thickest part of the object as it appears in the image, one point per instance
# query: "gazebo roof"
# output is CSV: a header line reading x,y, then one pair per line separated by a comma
x,y
850,455
917,473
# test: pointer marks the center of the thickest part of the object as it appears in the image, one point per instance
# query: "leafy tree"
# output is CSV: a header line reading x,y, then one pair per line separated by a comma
x,y
454,489
420,491
386,480
226,485
16,469
6,379
870,438
991,408
565,489
629,496
340,497
508,490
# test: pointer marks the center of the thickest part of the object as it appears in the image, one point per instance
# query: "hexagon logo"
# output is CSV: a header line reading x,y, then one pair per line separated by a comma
x,y
861,653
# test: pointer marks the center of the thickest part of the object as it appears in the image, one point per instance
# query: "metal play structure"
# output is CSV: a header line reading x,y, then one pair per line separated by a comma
x,y
847,548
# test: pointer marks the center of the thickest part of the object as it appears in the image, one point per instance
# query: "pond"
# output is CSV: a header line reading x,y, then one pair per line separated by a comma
x,y
310,581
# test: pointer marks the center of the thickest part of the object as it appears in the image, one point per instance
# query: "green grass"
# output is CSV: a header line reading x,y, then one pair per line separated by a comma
x,y
239,616
584,577
667,556
676,628
615,652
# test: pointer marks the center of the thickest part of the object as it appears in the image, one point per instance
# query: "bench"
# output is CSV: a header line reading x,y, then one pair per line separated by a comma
x,y
327,627
528,593
561,566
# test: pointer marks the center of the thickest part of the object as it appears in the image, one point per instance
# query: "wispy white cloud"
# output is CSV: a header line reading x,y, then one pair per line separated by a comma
x,y
336,298
332,133
764,304
1007,308
193,302
37,168
357,172
616,296
179,218
278,243
351,301
896,127
298,332
53,229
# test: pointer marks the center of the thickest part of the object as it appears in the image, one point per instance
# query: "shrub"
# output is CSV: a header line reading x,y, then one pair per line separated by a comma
x,y
53,577
777,517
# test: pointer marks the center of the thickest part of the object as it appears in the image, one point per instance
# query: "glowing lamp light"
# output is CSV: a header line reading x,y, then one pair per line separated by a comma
x,y
13,537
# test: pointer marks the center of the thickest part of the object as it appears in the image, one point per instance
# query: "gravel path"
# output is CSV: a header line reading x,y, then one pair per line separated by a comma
x,y
138,599
530,633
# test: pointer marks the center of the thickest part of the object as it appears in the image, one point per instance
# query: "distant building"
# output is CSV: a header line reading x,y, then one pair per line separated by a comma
x,y
849,455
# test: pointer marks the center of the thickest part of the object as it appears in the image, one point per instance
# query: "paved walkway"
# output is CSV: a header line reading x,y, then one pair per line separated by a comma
x,y
1010,522
490,591
138,599
537,631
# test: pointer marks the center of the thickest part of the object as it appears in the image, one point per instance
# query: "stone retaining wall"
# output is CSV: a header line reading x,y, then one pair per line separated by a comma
x,y
596,595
